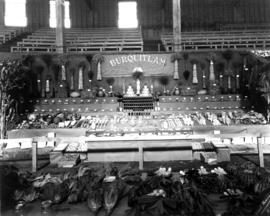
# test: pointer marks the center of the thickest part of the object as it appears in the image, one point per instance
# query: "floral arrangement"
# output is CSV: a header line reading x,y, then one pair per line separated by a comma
x,y
137,73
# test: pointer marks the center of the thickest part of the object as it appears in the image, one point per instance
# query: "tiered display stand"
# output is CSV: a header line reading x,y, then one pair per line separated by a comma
x,y
139,137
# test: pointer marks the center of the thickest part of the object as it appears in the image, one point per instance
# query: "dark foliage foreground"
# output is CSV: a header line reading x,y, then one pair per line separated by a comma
x,y
246,188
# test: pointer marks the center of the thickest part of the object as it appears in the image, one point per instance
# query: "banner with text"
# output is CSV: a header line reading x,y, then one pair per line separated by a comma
x,y
125,64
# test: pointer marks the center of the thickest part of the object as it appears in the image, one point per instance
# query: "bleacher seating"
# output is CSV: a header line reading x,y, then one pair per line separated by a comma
x,y
219,40
82,40
8,33
244,26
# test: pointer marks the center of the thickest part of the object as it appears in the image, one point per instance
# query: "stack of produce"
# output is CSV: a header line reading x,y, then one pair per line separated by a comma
x,y
121,121
161,192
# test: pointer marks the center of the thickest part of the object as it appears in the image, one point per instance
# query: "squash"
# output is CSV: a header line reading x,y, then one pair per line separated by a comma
x,y
95,199
247,177
55,192
74,94
264,207
232,168
263,184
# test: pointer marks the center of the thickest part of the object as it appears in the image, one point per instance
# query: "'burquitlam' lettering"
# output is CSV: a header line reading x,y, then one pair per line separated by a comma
x,y
137,58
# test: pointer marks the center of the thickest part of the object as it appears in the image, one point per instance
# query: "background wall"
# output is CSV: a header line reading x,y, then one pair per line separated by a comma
x,y
46,66
154,15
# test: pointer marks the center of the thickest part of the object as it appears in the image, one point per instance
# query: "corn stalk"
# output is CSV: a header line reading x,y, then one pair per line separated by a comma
x,y
12,82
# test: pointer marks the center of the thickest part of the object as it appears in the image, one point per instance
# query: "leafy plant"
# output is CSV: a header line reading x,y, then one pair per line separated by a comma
x,y
211,56
98,58
194,61
227,55
186,74
164,80
90,75
137,75
110,81
185,56
220,66
176,56
13,89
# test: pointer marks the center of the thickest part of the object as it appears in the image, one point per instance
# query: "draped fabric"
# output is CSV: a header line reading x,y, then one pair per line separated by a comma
x,y
212,73
229,82
99,77
39,85
175,74
195,77
204,79
47,88
71,82
63,73
80,84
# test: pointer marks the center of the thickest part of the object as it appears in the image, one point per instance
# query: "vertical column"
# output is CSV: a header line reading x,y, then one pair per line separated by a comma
x,y
2,12
260,150
60,39
34,156
177,25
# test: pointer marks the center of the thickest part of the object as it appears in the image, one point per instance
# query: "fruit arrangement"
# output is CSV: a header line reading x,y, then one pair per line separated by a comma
x,y
123,122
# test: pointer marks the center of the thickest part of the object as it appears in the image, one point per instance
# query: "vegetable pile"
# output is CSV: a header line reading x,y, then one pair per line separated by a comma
x,y
169,122
245,188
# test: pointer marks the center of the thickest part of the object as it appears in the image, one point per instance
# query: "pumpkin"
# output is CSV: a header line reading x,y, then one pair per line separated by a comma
x,y
202,92
74,94
232,168
247,177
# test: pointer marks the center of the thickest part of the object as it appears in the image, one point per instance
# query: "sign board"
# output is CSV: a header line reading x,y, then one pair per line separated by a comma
x,y
125,64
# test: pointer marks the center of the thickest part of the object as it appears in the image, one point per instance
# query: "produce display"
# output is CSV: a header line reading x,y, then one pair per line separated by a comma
x,y
123,122
165,191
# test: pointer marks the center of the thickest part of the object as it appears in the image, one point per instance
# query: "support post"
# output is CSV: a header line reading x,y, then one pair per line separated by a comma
x,y
260,150
140,157
34,156
2,12
177,25
59,30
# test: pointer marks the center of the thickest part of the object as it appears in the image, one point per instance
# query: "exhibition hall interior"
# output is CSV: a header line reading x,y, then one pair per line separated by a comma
x,y
135,107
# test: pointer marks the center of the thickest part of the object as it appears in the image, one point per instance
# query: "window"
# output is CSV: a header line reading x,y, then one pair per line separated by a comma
x,y
127,14
15,13
53,15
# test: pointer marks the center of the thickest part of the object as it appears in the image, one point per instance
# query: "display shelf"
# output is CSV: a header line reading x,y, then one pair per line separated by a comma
x,y
202,103
201,98
109,104
138,103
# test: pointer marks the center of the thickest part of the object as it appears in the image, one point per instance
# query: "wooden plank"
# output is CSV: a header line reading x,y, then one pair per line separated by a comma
x,y
260,151
60,38
141,156
177,25
34,156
